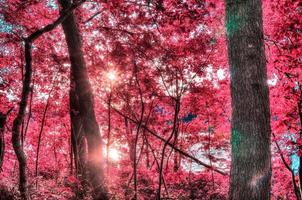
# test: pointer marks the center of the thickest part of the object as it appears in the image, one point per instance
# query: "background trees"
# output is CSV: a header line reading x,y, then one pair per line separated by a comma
x,y
147,56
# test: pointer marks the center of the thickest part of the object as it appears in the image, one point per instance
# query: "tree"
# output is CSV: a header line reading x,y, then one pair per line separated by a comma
x,y
250,132
86,105
283,37
3,117
178,47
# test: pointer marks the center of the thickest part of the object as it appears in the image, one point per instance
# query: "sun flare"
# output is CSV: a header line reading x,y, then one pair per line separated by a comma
x,y
111,75
114,154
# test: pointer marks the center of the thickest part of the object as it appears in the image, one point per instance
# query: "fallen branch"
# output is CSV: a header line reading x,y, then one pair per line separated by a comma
x,y
171,145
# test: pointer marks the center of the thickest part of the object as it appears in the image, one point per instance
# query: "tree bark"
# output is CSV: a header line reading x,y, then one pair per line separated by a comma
x,y
251,132
174,129
86,105
76,127
16,140
41,131
24,96
3,117
2,142
77,136
109,131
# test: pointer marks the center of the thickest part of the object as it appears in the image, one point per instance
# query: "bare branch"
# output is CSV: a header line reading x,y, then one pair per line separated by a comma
x,y
171,145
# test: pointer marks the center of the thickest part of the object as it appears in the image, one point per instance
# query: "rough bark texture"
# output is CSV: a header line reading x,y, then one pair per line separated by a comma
x,y
78,143
75,121
86,105
250,139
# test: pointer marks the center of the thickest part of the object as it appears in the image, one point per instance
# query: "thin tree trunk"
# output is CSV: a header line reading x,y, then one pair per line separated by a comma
x,y
3,117
2,141
41,131
24,97
175,161
109,132
147,152
86,104
251,131
72,159
175,127
30,111
156,135
296,188
129,139
138,128
18,120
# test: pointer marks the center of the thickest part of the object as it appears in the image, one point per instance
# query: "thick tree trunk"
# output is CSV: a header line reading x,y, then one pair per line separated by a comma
x,y
86,105
250,139
77,136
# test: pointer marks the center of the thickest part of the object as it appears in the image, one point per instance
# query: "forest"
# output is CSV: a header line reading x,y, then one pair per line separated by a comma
x,y
151,99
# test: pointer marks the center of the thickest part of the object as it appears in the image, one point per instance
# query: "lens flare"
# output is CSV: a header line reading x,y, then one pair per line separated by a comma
x,y
111,75
114,154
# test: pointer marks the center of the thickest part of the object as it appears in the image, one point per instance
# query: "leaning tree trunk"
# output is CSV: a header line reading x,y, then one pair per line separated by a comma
x,y
86,104
16,140
250,138
24,96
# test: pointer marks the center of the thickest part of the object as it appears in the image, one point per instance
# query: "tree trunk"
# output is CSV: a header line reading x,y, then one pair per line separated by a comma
x,y
2,142
24,96
16,140
175,156
86,105
3,117
77,136
75,122
250,138
109,132
41,131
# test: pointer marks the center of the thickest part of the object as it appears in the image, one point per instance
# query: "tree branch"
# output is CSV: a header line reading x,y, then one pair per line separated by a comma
x,y
171,145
